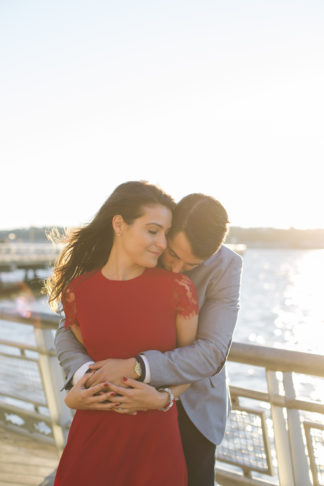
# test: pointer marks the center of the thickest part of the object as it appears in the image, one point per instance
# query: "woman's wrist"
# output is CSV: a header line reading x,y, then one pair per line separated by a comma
x,y
170,400
164,399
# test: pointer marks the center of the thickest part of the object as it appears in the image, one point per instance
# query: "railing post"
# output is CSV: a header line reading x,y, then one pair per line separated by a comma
x,y
297,444
281,438
52,378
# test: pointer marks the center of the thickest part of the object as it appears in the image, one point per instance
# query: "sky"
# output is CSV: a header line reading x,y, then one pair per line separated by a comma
x,y
220,97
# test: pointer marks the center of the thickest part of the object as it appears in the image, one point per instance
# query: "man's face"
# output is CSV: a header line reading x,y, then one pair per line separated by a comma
x,y
178,256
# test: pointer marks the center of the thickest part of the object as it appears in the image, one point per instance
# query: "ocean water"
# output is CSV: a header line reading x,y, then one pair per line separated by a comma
x,y
281,307
282,299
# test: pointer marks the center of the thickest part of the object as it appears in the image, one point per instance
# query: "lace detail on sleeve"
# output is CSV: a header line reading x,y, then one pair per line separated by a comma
x,y
185,296
69,306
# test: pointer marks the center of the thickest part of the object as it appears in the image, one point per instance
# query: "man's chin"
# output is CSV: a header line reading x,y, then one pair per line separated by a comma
x,y
161,265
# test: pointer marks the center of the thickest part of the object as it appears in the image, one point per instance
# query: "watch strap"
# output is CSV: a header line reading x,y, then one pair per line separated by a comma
x,y
139,368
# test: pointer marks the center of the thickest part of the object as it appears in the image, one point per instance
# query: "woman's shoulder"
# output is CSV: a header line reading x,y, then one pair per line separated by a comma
x,y
159,276
161,273
185,295
171,277
157,272
82,281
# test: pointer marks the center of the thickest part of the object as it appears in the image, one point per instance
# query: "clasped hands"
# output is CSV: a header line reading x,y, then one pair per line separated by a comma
x,y
104,388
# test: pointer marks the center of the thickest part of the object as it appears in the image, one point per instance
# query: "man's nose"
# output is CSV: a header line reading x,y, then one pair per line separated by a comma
x,y
177,266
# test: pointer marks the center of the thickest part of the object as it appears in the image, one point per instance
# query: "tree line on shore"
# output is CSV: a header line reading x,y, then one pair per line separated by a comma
x,y
251,237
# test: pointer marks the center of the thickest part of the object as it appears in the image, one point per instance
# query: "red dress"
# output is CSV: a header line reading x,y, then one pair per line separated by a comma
x,y
119,319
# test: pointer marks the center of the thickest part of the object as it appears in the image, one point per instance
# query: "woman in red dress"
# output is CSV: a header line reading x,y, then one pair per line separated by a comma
x,y
119,304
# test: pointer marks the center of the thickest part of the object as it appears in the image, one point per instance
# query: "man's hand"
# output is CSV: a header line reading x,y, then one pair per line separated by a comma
x,y
137,397
93,398
111,370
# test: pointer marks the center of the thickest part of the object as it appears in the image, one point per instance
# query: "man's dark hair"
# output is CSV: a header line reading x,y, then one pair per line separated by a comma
x,y
203,220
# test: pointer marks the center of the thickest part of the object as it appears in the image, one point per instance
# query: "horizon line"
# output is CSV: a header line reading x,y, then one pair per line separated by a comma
x,y
286,228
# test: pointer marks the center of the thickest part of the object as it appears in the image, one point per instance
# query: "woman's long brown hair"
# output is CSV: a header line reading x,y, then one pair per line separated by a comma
x,y
88,248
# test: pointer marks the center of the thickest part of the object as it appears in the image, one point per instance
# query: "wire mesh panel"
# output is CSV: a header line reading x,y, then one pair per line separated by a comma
x,y
21,394
315,445
246,442
31,378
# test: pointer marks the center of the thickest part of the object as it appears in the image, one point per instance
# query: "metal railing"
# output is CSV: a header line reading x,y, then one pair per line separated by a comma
x,y
28,255
272,437
277,428
30,382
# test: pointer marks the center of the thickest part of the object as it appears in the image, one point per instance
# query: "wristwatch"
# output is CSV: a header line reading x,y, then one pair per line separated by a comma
x,y
139,368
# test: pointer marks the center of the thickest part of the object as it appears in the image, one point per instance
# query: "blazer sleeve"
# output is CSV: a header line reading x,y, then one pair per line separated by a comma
x,y
70,352
217,320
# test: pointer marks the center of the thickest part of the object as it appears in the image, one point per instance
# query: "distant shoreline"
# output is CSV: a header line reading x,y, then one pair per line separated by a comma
x,y
291,238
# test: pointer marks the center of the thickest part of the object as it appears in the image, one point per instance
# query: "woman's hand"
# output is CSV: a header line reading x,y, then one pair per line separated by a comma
x,y
137,397
92,398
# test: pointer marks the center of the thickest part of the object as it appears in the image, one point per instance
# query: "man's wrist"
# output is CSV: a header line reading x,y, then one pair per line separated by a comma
x,y
81,371
131,364
139,368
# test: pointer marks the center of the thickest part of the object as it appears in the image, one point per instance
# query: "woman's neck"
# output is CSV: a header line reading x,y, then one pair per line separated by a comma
x,y
118,268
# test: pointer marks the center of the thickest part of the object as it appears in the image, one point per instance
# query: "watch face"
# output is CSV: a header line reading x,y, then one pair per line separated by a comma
x,y
138,369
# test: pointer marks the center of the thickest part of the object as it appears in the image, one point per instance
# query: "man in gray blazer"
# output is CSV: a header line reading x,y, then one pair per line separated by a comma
x,y
194,247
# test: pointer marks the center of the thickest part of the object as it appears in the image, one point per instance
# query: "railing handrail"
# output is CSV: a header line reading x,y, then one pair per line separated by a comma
x,y
278,359
274,359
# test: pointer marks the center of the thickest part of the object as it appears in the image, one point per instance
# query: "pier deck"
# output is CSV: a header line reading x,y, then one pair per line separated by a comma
x,y
24,461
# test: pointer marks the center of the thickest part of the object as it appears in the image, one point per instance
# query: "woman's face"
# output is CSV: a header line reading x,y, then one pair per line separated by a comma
x,y
144,240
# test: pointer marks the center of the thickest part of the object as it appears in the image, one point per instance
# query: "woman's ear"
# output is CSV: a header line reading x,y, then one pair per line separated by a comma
x,y
118,224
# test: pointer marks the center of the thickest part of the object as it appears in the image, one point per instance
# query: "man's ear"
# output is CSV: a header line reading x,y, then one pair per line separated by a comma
x,y
118,224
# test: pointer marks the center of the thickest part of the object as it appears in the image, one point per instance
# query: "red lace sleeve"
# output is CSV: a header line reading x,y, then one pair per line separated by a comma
x,y
69,306
185,296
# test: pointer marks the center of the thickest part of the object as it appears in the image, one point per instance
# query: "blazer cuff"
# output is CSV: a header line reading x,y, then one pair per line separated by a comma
x,y
148,375
80,372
